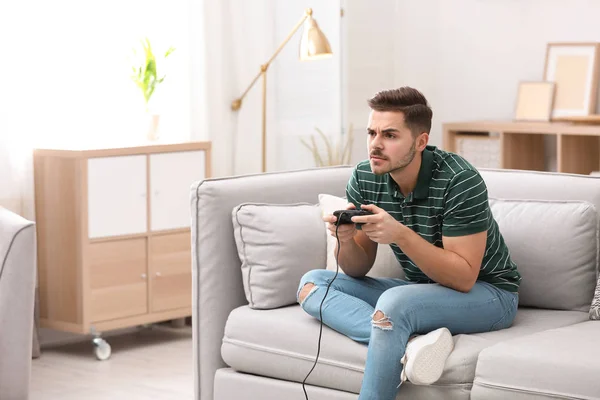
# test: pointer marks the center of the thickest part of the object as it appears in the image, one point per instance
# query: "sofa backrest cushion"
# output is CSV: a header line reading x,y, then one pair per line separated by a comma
x,y
555,246
535,185
277,244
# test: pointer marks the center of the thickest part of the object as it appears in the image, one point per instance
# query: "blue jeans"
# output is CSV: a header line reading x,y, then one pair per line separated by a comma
x,y
412,308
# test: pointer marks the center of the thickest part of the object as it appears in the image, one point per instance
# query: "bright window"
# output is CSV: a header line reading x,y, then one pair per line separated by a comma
x,y
65,69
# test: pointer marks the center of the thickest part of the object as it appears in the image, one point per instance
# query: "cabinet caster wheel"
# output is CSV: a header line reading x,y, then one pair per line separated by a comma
x,y
102,349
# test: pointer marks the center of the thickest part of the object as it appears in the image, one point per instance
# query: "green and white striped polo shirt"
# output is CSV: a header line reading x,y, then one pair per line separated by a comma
x,y
450,199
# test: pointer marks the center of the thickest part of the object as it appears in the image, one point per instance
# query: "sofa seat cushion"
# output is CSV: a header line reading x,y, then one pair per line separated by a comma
x,y
282,343
463,360
558,363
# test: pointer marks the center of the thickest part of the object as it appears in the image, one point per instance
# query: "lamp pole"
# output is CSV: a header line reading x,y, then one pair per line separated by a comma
x,y
237,103
264,117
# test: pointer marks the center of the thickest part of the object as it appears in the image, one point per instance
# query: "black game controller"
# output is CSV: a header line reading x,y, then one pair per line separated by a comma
x,y
345,216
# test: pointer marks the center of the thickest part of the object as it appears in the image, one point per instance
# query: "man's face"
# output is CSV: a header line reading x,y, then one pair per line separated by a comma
x,y
390,143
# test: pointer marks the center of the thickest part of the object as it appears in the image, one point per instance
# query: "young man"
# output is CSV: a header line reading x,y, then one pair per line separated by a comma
x,y
432,208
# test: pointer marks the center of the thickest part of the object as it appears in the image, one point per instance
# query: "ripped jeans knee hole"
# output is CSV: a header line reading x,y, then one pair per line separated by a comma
x,y
381,321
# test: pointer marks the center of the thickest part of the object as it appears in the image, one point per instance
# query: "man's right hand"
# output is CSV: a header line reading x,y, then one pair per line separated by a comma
x,y
345,232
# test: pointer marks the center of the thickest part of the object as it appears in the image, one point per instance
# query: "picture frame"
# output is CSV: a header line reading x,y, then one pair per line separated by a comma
x,y
535,100
574,68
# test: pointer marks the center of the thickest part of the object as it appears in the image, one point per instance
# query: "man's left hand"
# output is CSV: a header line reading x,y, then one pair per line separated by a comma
x,y
380,227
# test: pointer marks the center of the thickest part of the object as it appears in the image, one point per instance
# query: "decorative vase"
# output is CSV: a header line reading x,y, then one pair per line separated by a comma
x,y
153,132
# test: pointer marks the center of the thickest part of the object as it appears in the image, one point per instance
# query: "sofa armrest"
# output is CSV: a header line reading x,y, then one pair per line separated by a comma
x,y
17,292
216,268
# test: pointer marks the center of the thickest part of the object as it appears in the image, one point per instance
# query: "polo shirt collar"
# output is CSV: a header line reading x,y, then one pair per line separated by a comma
x,y
425,174
423,180
392,187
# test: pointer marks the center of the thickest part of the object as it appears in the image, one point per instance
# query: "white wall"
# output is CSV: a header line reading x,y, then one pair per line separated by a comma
x,y
369,60
468,56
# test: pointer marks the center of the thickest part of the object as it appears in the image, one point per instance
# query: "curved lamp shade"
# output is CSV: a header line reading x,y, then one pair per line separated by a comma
x,y
313,44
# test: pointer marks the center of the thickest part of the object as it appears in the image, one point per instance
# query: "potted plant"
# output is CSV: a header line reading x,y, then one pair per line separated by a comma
x,y
146,78
335,153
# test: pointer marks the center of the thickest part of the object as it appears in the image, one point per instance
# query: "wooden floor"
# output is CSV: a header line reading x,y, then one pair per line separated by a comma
x,y
150,364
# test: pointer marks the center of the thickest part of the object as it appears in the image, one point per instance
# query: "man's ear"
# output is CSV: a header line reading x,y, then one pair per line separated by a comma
x,y
422,141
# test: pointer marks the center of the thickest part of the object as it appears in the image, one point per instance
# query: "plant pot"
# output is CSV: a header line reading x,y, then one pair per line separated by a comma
x,y
153,132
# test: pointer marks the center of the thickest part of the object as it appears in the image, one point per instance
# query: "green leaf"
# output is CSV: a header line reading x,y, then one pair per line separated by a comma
x,y
171,50
145,76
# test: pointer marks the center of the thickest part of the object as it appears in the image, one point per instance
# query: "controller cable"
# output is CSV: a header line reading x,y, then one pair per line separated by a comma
x,y
337,267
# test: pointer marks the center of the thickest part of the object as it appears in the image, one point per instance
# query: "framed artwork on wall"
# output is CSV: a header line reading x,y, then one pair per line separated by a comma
x,y
534,101
573,67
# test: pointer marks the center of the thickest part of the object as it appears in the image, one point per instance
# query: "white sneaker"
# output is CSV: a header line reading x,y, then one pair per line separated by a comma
x,y
425,357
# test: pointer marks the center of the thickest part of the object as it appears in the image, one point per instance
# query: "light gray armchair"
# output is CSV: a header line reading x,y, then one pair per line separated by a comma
x,y
17,294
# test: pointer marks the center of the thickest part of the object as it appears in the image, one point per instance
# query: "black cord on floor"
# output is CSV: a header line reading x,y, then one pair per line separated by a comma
x,y
337,267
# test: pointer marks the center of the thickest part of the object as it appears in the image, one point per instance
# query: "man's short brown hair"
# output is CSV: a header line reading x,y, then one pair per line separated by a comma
x,y
409,101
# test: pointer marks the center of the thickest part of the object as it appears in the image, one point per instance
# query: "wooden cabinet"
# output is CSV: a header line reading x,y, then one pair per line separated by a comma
x,y
168,173
541,146
118,285
122,214
170,272
113,229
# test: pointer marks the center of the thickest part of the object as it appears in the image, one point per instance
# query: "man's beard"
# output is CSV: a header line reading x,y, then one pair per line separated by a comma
x,y
404,161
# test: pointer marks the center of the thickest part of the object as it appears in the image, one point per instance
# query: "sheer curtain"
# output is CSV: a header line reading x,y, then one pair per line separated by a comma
x,y
65,70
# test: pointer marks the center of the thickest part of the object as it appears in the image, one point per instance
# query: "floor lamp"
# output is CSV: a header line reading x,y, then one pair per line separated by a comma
x,y
313,45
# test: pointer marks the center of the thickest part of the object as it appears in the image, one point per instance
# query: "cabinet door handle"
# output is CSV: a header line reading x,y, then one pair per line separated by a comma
x,y
158,274
143,276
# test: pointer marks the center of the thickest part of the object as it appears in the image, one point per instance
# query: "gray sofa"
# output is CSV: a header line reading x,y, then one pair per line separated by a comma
x,y
550,223
17,293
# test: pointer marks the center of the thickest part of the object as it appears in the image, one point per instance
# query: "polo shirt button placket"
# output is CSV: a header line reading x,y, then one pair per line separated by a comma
x,y
402,208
